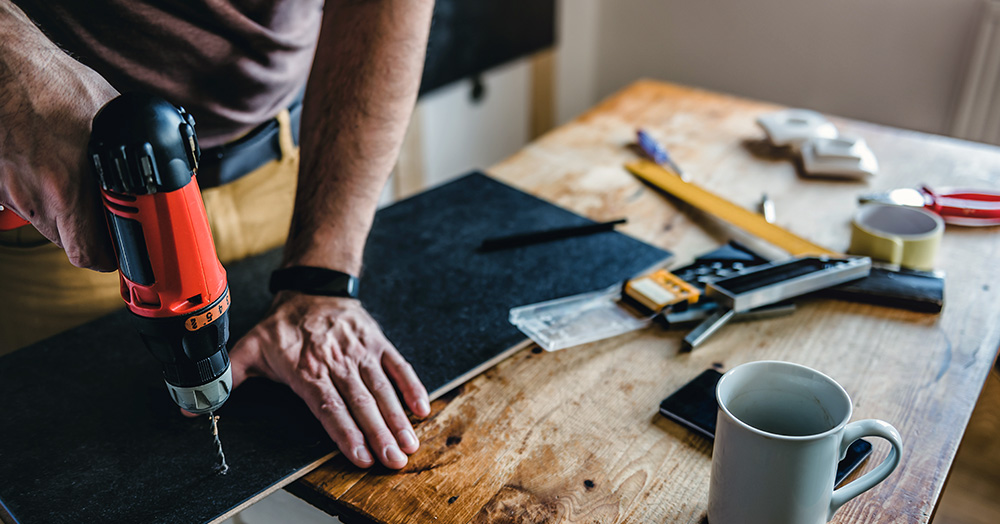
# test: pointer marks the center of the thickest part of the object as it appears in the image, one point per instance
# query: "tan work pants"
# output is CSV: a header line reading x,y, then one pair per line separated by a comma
x,y
42,294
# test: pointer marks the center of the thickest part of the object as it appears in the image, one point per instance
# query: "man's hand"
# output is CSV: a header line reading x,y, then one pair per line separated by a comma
x,y
47,103
358,99
331,352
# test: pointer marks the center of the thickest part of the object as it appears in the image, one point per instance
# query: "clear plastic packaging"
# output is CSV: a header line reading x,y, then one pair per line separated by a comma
x,y
578,319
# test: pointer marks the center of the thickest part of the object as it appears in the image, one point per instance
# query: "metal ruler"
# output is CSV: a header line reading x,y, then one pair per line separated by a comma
x,y
725,210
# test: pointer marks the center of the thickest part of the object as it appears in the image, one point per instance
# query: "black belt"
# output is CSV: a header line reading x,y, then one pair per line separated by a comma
x,y
228,162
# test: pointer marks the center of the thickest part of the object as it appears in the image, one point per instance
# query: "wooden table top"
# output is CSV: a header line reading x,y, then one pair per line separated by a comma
x,y
574,436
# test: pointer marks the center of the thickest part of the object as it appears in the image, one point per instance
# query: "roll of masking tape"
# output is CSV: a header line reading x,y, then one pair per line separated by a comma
x,y
905,236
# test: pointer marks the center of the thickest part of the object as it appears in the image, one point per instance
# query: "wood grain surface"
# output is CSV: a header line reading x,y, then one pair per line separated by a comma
x,y
574,436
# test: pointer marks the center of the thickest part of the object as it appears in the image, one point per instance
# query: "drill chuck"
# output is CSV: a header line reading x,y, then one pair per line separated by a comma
x,y
205,398
191,349
145,154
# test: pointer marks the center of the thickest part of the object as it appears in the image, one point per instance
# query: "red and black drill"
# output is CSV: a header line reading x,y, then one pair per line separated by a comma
x,y
145,154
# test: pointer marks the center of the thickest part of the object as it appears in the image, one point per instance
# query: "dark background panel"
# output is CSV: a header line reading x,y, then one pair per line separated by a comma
x,y
471,36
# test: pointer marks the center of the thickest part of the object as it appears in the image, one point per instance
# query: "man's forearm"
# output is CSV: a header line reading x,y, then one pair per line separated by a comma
x,y
358,101
47,101
25,54
37,78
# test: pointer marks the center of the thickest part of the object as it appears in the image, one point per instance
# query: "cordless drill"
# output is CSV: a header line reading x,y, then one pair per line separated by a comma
x,y
145,154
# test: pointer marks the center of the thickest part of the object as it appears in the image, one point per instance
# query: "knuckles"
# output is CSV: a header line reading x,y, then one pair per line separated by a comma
x,y
89,258
332,406
80,256
381,386
361,401
406,367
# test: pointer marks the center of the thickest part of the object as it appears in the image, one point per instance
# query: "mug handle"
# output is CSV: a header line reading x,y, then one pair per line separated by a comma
x,y
854,431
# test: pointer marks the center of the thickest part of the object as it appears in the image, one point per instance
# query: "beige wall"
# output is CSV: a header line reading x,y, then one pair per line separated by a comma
x,y
896,62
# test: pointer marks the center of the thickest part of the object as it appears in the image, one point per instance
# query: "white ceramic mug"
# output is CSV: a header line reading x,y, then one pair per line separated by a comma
x,y
782,428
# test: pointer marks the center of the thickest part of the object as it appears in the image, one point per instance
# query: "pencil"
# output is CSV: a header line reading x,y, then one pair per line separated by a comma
x,y
524,239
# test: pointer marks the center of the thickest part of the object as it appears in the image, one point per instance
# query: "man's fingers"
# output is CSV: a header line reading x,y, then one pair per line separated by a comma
x,y
328,406
407,381
245,358
85,238
388,404
366,413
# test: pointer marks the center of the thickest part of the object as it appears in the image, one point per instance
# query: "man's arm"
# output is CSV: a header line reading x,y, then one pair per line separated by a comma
x,y
47,103
358,100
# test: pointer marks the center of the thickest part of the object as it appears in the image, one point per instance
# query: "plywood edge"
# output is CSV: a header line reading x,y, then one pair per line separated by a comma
x,y
272,488
5,515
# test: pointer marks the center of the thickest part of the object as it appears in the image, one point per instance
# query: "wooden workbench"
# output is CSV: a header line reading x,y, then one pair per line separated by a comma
x,y
574,436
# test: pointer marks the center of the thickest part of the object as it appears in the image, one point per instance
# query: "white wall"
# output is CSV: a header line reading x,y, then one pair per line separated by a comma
x,y
896,62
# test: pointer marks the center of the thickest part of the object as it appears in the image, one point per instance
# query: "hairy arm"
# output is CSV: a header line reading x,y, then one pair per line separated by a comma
x,y
47,103
357,104
329,350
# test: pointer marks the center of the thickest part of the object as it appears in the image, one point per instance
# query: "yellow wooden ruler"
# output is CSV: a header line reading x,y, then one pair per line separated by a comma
x,y
725,210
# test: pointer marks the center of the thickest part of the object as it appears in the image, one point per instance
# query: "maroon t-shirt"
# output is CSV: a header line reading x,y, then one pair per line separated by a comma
x,y
233,64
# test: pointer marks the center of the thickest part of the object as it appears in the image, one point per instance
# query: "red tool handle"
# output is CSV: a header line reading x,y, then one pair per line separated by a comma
x,y
165,251
964,205
10,220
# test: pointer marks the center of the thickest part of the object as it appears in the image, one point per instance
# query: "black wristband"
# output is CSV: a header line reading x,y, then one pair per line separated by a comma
x,y
315,281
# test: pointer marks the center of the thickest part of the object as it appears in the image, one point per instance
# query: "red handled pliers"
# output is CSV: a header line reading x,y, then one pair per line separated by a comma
x,y
965,207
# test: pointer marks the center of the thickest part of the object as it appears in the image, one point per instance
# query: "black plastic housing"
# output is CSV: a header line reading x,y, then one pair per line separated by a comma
x,y
164,157
189,358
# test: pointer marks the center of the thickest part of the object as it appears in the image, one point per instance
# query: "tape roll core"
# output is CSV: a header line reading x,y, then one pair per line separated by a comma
x,y
904,236
898,221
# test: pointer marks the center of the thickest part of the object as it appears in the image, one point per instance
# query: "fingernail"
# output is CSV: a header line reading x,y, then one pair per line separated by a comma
x,y
407,439
393,454
423,407
361,453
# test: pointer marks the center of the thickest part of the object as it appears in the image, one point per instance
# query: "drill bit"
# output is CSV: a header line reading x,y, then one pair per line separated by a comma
x,y
222,468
